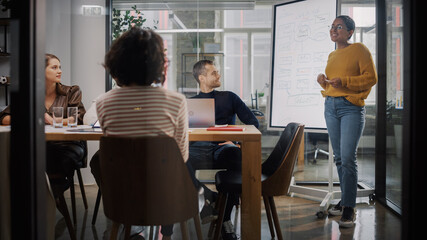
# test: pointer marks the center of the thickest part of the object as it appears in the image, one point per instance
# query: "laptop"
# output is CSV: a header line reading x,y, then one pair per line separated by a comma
x,y
201,112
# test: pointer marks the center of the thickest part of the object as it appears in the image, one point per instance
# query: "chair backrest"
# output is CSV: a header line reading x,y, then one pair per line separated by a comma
x,y
279,166
144,181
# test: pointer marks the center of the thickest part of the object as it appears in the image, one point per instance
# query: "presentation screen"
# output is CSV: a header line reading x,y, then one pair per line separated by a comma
x,y
300,49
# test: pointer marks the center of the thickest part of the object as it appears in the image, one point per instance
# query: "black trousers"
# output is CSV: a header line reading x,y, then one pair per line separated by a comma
x,y
64,157
211,155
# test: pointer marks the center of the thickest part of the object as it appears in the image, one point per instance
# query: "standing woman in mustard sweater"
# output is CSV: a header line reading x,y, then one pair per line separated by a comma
x,y
350,74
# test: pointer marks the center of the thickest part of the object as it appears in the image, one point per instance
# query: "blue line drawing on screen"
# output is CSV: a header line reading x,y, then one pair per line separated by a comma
x,y
285,60
302,33
284,84
301,48
304,58
320,57
319,36
303,100
303,84
284,73
321,18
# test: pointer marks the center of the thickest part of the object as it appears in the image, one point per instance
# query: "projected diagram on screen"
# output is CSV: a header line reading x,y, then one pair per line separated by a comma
x,y
301,48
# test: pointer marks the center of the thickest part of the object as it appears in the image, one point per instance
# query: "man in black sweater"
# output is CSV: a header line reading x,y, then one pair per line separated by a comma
x,y
219,155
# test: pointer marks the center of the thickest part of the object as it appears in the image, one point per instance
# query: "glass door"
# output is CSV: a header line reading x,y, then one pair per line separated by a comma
x,y
395,104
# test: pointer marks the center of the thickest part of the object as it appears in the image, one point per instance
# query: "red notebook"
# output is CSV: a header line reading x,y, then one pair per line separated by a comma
x,y
227,128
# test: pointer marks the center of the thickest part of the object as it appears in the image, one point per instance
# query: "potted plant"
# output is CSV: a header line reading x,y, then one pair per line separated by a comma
x,y
195,41
123,22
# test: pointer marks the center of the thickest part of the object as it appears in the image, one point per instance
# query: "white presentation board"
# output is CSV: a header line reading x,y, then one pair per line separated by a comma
x,y
300,48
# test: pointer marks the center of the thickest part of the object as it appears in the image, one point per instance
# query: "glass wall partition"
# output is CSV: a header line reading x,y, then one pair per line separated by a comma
x,y
316,147
237,36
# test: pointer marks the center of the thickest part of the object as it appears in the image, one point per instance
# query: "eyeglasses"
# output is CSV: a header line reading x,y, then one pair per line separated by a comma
x,y
337,27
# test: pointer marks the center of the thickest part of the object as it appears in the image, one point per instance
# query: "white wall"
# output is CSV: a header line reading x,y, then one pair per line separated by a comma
x,y
58,32
79,41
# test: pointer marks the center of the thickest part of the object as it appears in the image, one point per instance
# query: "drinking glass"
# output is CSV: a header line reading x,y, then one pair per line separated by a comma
x,y
72,113
58,115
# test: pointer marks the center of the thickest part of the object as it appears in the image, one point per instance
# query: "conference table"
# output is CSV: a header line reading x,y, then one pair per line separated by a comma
x,y
250,140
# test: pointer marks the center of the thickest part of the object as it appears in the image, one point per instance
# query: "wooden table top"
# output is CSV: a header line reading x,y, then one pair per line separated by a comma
x,y
250,133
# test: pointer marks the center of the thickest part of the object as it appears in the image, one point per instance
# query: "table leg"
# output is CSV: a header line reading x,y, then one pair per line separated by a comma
x,y
301,157
251,190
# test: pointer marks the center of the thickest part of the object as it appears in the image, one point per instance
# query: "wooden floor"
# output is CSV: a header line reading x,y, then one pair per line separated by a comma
x,y
297,216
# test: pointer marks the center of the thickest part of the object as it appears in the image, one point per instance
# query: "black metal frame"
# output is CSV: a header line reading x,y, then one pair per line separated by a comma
x,y
380,144
108,19
414,125
27,152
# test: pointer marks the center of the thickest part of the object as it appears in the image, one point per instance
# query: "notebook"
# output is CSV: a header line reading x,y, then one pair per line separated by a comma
x,y
96,127
201,112
226,128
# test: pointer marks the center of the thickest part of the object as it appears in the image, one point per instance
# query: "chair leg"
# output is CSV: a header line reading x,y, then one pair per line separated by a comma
x,y
236,216
73,203
212,225
95,211
114,231
63,209
184,230
82,187
222,201
150,237
198,226
127,231
275,218
269,217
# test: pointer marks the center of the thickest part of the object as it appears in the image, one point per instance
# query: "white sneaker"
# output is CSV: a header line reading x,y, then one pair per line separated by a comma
x,y
348,217
336,210
227,231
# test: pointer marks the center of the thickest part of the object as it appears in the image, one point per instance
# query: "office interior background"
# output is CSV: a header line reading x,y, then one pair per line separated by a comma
x,y
237,36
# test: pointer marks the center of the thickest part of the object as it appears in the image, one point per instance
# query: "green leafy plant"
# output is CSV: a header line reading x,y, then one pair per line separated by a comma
x,y
123,22
195,39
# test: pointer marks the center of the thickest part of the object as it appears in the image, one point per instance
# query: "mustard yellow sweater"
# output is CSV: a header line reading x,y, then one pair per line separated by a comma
x,y
355,67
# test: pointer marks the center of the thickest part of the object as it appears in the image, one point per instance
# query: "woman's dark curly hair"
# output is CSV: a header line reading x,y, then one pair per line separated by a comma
x,y
349,23
136,58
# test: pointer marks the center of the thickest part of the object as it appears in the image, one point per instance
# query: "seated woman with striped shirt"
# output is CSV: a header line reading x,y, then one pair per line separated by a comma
x,y
141,107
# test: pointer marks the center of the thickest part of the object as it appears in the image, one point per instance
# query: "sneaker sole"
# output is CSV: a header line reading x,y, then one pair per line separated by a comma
x,y
334,213
346,224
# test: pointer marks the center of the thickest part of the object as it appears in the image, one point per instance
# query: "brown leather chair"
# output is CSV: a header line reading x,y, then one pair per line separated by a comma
x,y
79,177
144,181
59,185
82,188
276,176
60,182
